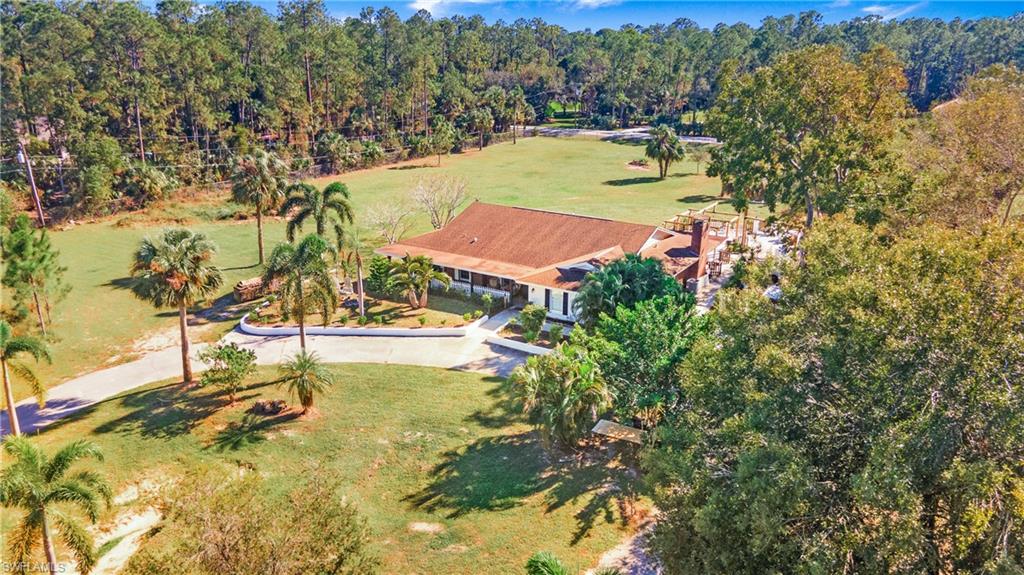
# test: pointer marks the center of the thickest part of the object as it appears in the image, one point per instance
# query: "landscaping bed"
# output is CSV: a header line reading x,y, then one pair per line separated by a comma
x,y
441,311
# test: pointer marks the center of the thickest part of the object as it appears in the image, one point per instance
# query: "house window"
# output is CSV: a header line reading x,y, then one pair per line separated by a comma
x,y
565,303
547,299
463,275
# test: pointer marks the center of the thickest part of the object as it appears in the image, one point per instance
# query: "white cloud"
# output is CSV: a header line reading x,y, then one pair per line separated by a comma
x,y
439,7
891,11
594,3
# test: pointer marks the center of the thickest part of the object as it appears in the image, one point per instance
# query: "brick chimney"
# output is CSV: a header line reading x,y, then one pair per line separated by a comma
x,y
699,244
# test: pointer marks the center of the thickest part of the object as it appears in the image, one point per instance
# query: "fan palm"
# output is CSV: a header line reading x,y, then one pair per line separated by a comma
x,y
38,484
175,270
10,348
329,207
665,147
259,179
306,376
305,280
564,391
412,275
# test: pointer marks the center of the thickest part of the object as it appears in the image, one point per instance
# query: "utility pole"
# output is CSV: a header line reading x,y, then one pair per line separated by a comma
x,y
25,159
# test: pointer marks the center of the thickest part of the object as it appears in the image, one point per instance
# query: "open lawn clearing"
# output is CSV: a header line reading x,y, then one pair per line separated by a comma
x,y
100,323
449,476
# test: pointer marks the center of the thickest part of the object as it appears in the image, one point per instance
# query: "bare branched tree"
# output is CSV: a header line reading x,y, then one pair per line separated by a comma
x,y
390,219
440,197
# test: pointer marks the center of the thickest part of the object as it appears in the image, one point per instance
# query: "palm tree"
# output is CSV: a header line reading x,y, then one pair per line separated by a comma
x,y
413,274
10,348
306,376
259,179
39,484
174,270
564,390
354,245
305,280
665,147
327,207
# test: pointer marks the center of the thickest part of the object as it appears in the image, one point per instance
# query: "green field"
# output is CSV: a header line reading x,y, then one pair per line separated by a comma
x,y
100,320
409,444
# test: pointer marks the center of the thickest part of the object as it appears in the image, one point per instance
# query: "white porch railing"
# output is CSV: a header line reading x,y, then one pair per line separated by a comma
x,y
477,289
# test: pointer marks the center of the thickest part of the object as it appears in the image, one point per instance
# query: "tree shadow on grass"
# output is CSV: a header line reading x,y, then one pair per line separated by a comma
x,y
500,473
699,198
164,412
412,167
504,410
251,430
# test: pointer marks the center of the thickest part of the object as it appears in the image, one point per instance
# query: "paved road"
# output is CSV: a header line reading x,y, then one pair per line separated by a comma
x,y
469,353
627,135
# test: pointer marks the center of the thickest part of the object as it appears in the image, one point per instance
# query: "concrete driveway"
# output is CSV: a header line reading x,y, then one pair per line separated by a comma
x,y
469,353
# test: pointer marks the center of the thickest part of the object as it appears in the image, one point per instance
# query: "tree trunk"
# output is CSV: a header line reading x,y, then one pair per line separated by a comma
x,y
809,204
51,554
259,231
414,301
39,312
12,414
481,139
186,363
302,316
359,286
138,128
425,296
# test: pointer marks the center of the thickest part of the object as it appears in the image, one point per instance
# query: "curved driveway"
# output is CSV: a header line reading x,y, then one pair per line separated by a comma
x,y
469,353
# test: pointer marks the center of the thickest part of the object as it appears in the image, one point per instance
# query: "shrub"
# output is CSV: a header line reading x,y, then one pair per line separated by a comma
x,y
532,318
363,320
531,335
467,316
378,277
488,301
229,365
444,321
477,314
343,320
379,319
555,334
422,319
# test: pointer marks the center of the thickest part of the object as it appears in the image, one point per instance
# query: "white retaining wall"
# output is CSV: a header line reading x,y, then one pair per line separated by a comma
x,y
518,345
251,329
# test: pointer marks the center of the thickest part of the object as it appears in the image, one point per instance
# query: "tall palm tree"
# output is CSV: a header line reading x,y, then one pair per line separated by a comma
x,y
175,270
306,376
259,179
305,279
329,207
10,348
43,487
354,247
665,147
413,274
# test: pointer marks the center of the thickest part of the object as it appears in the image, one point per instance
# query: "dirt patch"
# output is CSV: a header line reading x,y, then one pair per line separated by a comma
x,y
424,527
638,167
630,557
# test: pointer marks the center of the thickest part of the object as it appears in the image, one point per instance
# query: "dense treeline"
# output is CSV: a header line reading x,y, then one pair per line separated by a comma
x,y
183,87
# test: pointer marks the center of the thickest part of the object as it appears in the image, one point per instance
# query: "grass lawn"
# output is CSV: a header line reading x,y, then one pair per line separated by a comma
x,y
100,321
441,311
410,444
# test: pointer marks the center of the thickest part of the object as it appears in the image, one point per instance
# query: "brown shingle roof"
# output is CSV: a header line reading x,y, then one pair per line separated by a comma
x,y
519,239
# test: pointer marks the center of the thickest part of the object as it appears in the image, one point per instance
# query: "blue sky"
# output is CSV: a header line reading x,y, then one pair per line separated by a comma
x,y
580,14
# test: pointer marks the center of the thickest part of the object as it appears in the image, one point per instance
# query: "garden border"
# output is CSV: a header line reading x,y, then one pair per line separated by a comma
x,y
367,331
517,345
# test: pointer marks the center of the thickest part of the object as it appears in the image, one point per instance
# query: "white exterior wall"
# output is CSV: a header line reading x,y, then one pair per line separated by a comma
x,y
536,297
